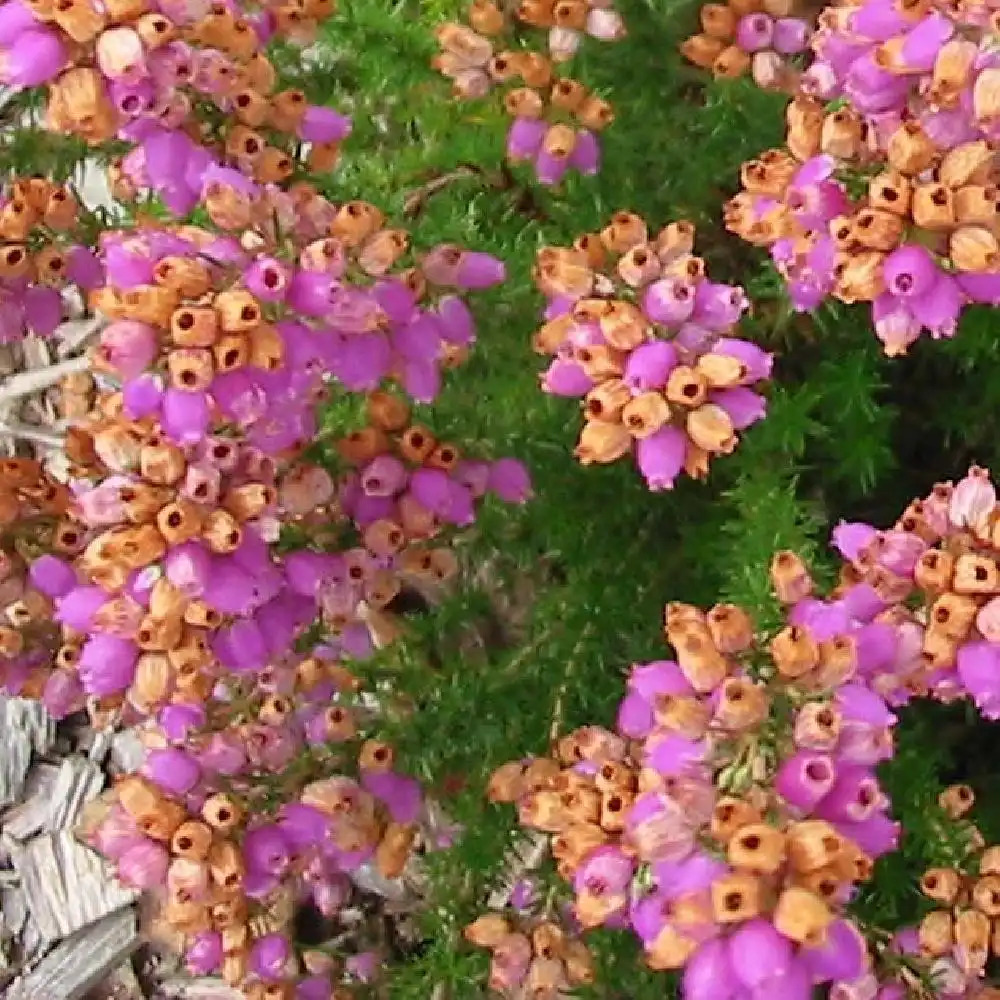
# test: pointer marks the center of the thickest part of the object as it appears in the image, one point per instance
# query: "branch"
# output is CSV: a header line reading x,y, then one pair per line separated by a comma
x,y
416,200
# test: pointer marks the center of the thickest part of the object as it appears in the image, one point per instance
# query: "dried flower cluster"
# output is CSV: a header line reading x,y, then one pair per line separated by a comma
x,y
537,956
138,71
762,38
890,197
730,816
958,937
251,806
172,581
639,331
936,574
555,118
43,257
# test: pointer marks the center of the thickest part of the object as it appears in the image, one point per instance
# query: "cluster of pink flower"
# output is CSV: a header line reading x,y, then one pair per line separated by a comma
x,y
555,118
246,809
163,585
42,257
639,331
136,71
731,815
936,576
918,100
762,36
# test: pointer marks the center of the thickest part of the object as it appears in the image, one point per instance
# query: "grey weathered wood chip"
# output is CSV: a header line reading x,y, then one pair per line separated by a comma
x,y
81,961
67,885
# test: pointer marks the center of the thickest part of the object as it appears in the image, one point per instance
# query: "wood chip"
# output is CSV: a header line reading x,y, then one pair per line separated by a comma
x,y
31,814
198,989
81,961
79,781
54,796
127,752
25,727
14,910
67,885
121,984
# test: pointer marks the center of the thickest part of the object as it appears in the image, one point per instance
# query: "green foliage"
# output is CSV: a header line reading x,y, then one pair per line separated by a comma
x,y
574,584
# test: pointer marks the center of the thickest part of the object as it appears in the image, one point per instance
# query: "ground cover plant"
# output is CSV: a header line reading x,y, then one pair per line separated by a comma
x,y
338,539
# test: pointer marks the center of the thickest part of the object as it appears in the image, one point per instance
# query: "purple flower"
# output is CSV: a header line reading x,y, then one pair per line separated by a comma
x,y
854,797
660,457
510,481
842,956
658,828
52,576
650,364
586,155
204,954
979,669
15,19
401,795
744,406
478,270
566,378
266,850
323,125
754,32
709,973
33,58
757,952
107,664
791,35
524,138
909,271
718,307
143,866
852,539
269,956
173,769
669,301
804,779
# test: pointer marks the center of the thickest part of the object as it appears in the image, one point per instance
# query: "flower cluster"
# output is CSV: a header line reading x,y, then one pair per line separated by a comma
x,y
196,314
249,808
136,71
958,937
745,35
914,139
638,330
171,582
731,815
537,955
555,118
43,257
936,573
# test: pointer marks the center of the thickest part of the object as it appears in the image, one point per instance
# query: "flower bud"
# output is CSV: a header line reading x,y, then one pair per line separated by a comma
x,y
736,898
802,917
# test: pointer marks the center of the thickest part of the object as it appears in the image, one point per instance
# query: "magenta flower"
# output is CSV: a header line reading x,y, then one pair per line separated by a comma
x,y
107,664
173,769
269,956
143,866
758,953
660,457
510,480
204,954
804,779
33,57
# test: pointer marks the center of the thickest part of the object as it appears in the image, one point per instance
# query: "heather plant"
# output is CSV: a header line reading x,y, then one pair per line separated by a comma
x,y
298,584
